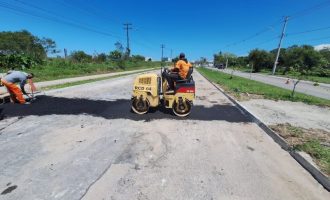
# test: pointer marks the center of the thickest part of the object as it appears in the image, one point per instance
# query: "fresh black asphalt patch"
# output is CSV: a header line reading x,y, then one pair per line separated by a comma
x,y
118,109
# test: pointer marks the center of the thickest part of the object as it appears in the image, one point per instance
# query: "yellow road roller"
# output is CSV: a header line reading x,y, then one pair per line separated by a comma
x,y
150,90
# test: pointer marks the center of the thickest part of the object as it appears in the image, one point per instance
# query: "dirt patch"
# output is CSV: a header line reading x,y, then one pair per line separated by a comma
x,y
247,96
297,135
315,142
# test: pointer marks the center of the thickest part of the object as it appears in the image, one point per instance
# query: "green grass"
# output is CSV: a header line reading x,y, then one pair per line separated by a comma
x,y
311,78
60,68
85,81
295,131
317,151
239,85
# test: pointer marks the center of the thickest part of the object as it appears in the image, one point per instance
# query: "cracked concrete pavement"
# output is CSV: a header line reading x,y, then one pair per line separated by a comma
x,y
83,142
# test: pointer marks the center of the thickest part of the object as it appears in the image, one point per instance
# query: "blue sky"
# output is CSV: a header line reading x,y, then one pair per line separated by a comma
x,y
198,28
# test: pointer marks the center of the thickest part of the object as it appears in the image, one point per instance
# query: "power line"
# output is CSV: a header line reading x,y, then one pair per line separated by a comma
x,y
54,18
103,17
56,15
315,39
49,18
267,41
309,10
308,31
292,16
254,35
89,11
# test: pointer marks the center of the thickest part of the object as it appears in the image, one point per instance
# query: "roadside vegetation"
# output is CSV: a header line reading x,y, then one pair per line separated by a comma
x,y
64,85
243,88
300,62
315,142
23,51
53,69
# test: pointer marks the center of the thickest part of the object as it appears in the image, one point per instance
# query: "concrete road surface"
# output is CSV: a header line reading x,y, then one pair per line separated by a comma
x,y
306,87
83,142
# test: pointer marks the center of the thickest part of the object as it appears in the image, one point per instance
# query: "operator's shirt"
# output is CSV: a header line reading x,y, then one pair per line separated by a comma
x,y
16,77
183,67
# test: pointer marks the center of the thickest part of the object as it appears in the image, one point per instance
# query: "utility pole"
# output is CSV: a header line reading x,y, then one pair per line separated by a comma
x,y
127,27
162,46
171,54
279,45
65,53
162,59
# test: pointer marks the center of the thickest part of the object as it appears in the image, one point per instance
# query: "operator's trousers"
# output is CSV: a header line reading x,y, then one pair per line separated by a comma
x,y
171,78
16,94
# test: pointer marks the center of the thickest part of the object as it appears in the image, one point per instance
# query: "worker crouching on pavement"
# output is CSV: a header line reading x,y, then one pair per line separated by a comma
x,y
17,77
179,72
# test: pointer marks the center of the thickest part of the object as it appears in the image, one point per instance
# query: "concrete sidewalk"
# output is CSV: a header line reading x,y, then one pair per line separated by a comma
x,y
306,87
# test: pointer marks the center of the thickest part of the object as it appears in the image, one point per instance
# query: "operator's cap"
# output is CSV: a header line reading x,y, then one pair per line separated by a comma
x,y
182,55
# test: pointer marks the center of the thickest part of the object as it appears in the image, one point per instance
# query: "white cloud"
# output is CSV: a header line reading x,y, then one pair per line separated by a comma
x,y
322,46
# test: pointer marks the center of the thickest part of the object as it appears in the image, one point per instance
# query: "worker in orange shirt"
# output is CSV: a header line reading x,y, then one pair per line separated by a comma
x,y
179,72
16,93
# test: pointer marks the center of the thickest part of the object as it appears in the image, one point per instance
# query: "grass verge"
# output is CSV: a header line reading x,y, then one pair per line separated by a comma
x,y
240,87
59,86
293,75
315,142
60,68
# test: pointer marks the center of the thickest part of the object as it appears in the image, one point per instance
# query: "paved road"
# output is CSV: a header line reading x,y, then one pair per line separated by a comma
x,y
83,142
306,87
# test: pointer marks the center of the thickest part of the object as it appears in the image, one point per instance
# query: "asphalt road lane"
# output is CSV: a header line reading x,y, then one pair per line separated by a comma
x,y
83,142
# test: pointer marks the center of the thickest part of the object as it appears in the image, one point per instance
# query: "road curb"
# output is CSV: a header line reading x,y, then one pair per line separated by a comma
x,y
318,176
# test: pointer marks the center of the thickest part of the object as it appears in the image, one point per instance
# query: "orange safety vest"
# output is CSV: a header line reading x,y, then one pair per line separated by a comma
x,y
183,68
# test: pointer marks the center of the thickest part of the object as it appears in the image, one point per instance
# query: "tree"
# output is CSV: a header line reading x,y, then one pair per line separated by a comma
x,y
260,59
119,47
304,58
81,57
100,58
115,55
138,58
326,55
242,61
23,42
22,49
281,59
221,58
49,45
